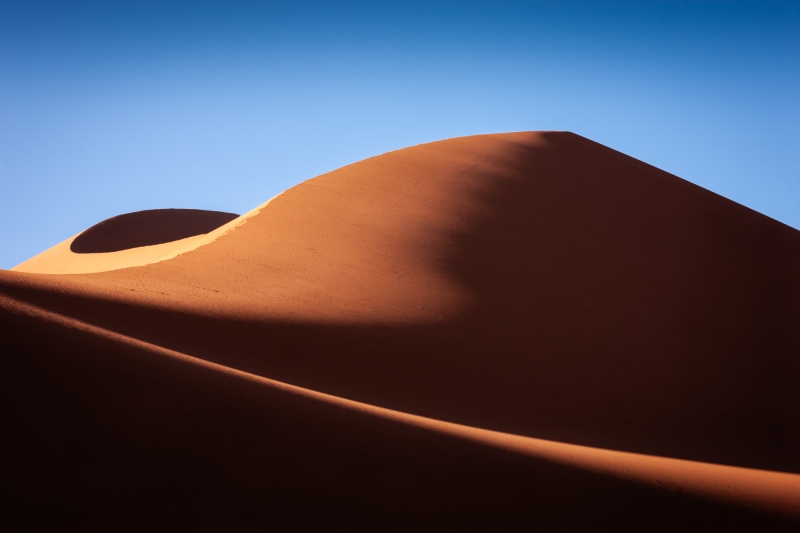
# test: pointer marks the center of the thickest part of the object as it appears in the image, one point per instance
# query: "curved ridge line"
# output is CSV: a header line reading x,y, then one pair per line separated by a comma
x,y
763,490
212,236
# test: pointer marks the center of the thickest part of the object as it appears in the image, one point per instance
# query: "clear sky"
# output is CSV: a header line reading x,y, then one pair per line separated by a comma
x,y
110,107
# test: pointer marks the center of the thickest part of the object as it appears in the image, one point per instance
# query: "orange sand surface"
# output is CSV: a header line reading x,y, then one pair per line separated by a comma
x,y
524,331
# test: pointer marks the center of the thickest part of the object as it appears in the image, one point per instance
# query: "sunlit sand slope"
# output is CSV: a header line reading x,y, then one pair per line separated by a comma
x,y
512,331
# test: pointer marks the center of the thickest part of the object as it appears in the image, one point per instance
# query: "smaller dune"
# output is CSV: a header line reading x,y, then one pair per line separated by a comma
x,y
134,239
147,228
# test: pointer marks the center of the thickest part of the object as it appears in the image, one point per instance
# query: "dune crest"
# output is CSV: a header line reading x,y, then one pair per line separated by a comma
x,y
492,332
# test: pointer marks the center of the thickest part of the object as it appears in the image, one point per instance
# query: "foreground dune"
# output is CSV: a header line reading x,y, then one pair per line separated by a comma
x,y
510,331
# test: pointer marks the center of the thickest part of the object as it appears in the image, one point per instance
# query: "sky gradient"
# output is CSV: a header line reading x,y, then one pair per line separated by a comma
x,y
113,107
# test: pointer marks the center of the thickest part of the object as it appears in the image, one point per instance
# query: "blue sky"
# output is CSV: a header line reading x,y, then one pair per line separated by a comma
x,y
111,107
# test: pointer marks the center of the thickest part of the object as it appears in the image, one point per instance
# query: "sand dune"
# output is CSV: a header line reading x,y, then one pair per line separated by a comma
x,y
511,331
135,239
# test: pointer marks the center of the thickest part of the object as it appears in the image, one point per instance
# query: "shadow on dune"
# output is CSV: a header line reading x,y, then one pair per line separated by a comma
x,y
112,438
147,228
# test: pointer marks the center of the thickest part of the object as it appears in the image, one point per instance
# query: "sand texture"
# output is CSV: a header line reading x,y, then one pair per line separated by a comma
x,y
512,332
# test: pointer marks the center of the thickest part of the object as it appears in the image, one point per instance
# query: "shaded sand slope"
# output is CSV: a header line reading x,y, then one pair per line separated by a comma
x,y
536,284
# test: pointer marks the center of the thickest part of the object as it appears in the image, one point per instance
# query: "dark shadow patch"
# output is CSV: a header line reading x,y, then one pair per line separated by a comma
x,y
147,228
